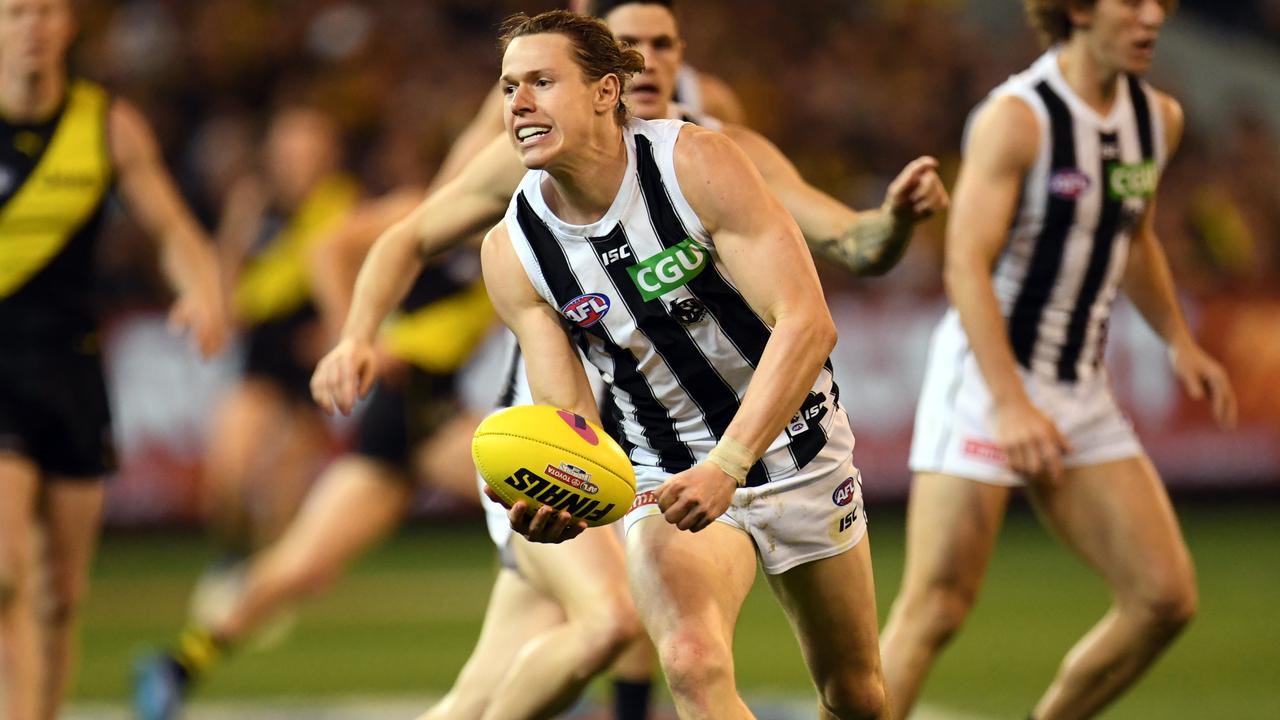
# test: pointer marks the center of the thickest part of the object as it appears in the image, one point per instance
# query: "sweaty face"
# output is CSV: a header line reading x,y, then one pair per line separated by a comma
x,y
651,30
34,34
548,102
1123,33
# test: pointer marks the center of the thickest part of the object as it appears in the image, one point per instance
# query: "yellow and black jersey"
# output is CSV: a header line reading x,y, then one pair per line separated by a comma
x,y
445,316
55,177
274,282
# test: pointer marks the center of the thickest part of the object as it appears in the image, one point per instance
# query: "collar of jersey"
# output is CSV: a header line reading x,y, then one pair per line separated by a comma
x,y
1069,96
603,226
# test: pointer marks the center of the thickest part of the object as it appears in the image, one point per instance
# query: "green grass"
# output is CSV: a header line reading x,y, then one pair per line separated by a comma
x,y
404,621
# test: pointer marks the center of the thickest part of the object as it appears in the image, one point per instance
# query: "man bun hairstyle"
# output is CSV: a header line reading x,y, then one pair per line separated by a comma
x,y
1052,18
595,50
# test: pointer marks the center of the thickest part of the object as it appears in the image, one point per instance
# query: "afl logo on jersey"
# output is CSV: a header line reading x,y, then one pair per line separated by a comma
x,y
586,310
1068,184
845,492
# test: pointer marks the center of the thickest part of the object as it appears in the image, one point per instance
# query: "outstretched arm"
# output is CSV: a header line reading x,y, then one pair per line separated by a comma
x,y
451,215
866,243
1149,285
187,258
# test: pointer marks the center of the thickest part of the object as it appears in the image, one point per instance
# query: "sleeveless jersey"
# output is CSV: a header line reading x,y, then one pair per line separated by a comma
x,y
646,297
445,316
55,177
1081,202
688,90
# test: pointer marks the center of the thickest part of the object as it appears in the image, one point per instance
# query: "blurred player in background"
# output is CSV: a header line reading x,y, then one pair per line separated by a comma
x,y
866,243
1057,194
267,440
411,428
64,144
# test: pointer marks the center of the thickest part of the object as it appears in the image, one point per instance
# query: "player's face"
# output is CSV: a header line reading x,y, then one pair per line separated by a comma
x,y
34,34
651,30
1122,33
549,104
301,147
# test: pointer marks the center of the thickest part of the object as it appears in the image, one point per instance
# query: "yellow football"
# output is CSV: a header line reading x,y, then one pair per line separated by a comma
x,y
548,456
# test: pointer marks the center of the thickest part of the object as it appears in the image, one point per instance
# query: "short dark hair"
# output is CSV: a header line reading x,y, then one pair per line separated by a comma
x,y
601,8
595,50
1052,18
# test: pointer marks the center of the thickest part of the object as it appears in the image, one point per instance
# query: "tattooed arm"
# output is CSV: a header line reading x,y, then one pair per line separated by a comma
x,y
865,243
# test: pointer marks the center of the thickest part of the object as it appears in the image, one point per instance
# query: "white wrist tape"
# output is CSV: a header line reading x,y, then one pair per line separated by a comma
x,y
733,458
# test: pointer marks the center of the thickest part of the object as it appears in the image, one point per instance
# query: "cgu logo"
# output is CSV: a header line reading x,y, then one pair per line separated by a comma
x,y
536,487
586,310
1068,184
1134,180
845,492
669,269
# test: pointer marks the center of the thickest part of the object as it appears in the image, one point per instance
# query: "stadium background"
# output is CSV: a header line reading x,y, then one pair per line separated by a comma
x,y
850,91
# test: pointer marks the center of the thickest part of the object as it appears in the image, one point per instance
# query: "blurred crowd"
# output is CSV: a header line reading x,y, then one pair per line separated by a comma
x,y
851,91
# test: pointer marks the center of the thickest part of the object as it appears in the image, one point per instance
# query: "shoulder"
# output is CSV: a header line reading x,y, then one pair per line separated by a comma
x,y
699,147
128,133
719,100
1172,117
1005,127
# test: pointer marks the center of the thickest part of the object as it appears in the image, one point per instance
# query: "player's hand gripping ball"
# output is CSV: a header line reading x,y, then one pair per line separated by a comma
x,y
547,456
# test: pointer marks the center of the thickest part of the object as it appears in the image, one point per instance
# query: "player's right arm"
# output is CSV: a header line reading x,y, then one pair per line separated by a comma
x,y
1002,147
553,367
446,218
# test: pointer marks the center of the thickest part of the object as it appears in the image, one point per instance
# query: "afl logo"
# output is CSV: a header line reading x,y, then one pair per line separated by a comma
x,y
1068,184
845,493
586,310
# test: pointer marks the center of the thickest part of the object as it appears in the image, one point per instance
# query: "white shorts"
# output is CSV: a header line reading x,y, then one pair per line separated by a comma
x,y
790,522
953,432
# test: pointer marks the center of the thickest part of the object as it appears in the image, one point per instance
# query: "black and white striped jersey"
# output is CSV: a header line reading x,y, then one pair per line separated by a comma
x,y
647,299
1065,256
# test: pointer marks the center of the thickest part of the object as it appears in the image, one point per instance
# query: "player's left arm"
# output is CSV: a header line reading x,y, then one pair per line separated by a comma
x,y
869,242
188,259
765,255
1149,284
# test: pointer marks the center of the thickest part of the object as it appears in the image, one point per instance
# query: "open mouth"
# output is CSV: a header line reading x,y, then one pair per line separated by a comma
x,y
530,134
1145,47
645,91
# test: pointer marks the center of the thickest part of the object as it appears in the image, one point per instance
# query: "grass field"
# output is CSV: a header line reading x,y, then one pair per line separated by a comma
x,y
403,622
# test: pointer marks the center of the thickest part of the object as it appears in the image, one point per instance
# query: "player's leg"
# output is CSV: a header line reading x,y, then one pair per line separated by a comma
x,y
689,588
444,459
632,674
1118,517
952,524
587,578
244,433
518,612
22,666
282,488
73,512
831,604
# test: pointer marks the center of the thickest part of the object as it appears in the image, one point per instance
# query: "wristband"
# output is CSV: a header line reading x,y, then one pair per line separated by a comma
x,y
733,458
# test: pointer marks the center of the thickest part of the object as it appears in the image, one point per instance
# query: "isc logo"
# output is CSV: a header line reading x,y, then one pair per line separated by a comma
x,y
586,310
608,257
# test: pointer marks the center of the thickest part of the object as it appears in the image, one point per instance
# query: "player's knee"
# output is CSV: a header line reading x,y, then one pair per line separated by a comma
x,y
610,629
1172,606
65,599
693,663
940,609
853,694
17,583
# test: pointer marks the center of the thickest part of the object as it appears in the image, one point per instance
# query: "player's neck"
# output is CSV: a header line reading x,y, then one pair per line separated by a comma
x,y
1092,82
584,186
30,97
